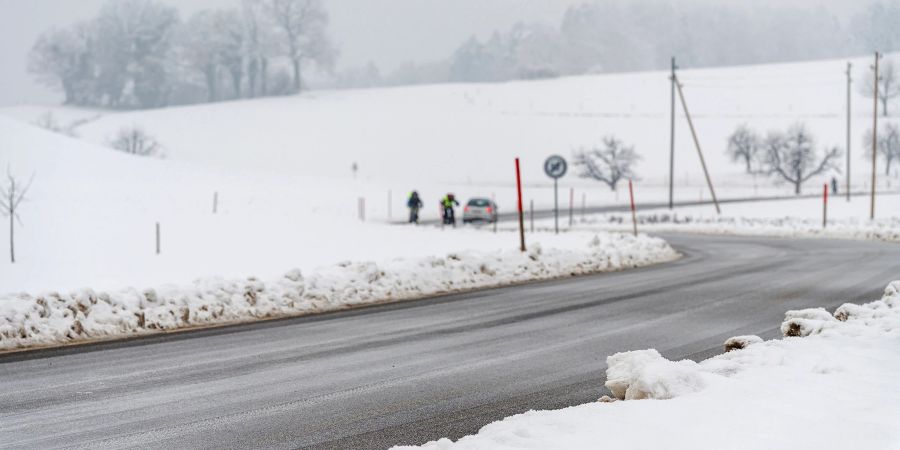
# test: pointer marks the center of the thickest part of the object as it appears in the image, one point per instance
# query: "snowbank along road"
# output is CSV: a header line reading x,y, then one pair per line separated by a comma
x,y
413,372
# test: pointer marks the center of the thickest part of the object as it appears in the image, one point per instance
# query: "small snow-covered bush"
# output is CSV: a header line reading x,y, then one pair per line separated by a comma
x,y
135,141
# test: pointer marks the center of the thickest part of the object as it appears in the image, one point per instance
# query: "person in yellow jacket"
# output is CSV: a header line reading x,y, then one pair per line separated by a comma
x,y
447,204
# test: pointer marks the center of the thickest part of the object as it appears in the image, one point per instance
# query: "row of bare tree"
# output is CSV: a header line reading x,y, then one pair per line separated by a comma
x,y
140,54
790,156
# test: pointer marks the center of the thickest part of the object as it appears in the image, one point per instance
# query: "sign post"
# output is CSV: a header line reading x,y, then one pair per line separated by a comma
x,y
555,167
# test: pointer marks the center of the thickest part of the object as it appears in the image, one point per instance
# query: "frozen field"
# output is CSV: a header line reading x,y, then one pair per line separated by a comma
x,y
281,169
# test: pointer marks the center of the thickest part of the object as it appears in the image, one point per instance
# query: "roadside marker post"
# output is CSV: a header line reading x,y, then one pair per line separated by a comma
x,y
531,215
583,205
215,202
361,204
571,207
494,209
157,238
825,205
555,167
521,212
633,212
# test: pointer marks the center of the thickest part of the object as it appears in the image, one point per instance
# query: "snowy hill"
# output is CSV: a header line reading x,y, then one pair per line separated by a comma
x,y
281,167
470,133
90,216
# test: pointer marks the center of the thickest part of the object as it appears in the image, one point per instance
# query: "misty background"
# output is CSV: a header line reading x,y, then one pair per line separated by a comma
x,y
396,42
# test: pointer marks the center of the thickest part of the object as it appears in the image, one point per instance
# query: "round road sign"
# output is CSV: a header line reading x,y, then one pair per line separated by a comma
x,y
555,166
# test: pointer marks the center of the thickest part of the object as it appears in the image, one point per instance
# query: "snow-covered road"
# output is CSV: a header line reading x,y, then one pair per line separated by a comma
x,y
414,372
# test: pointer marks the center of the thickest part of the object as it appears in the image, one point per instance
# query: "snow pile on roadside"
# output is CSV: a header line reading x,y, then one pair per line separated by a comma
x,y
887,229
54,318
834,387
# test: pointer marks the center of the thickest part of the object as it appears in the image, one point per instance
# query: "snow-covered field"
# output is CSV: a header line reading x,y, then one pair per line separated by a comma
x,y
829,385
468,134
783,218
280,168
90,222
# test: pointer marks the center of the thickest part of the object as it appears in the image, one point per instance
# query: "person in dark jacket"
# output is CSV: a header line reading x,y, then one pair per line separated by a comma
x,y
414,203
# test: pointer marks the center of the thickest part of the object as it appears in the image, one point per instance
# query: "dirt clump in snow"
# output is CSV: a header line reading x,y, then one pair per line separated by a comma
x,y
741,342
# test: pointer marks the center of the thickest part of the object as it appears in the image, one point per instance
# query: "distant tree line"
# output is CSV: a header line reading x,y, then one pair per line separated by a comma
x,y
622,35
140,54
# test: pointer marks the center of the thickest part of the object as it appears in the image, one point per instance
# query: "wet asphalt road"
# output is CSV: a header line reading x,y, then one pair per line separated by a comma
x,y
413,372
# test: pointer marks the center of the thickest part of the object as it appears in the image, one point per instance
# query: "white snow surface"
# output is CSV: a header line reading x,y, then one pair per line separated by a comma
x,y
83,315
793,218
832,388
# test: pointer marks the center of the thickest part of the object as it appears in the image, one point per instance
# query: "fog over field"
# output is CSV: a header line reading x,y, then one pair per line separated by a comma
x,y
388,33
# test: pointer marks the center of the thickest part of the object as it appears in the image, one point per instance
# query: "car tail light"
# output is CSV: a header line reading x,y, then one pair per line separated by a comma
x,y
488,210
466,209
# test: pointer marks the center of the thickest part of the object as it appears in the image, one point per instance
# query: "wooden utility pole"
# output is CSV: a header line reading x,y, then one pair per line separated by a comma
x,y
874,139
849,82
687,114
672,139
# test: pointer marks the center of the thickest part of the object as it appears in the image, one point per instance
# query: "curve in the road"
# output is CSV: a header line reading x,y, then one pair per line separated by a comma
x,y
412,372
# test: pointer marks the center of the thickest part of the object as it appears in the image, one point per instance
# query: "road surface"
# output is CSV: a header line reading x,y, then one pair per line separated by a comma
x,y
417,371
509,214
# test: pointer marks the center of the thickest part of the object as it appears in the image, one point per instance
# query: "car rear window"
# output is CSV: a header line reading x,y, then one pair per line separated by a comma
x,y
479,202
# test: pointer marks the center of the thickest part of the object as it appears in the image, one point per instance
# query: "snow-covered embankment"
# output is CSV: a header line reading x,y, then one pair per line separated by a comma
x,y
886,229
829,384
52,318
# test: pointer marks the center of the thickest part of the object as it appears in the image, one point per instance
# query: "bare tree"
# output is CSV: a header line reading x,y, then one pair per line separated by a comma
x,y
12,193
302,26
48,122
135,141
260,46
611,163
888,146
231,41
888,84
198,49
133,39
793,156
744,145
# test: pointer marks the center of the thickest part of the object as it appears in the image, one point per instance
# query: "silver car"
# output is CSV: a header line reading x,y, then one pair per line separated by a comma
x,y
480,210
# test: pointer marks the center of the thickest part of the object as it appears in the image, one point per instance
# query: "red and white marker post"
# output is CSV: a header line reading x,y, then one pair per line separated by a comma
x,y
521,212
825,205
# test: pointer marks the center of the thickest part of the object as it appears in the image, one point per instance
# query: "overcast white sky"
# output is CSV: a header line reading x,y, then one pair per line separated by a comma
x,y
387,32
